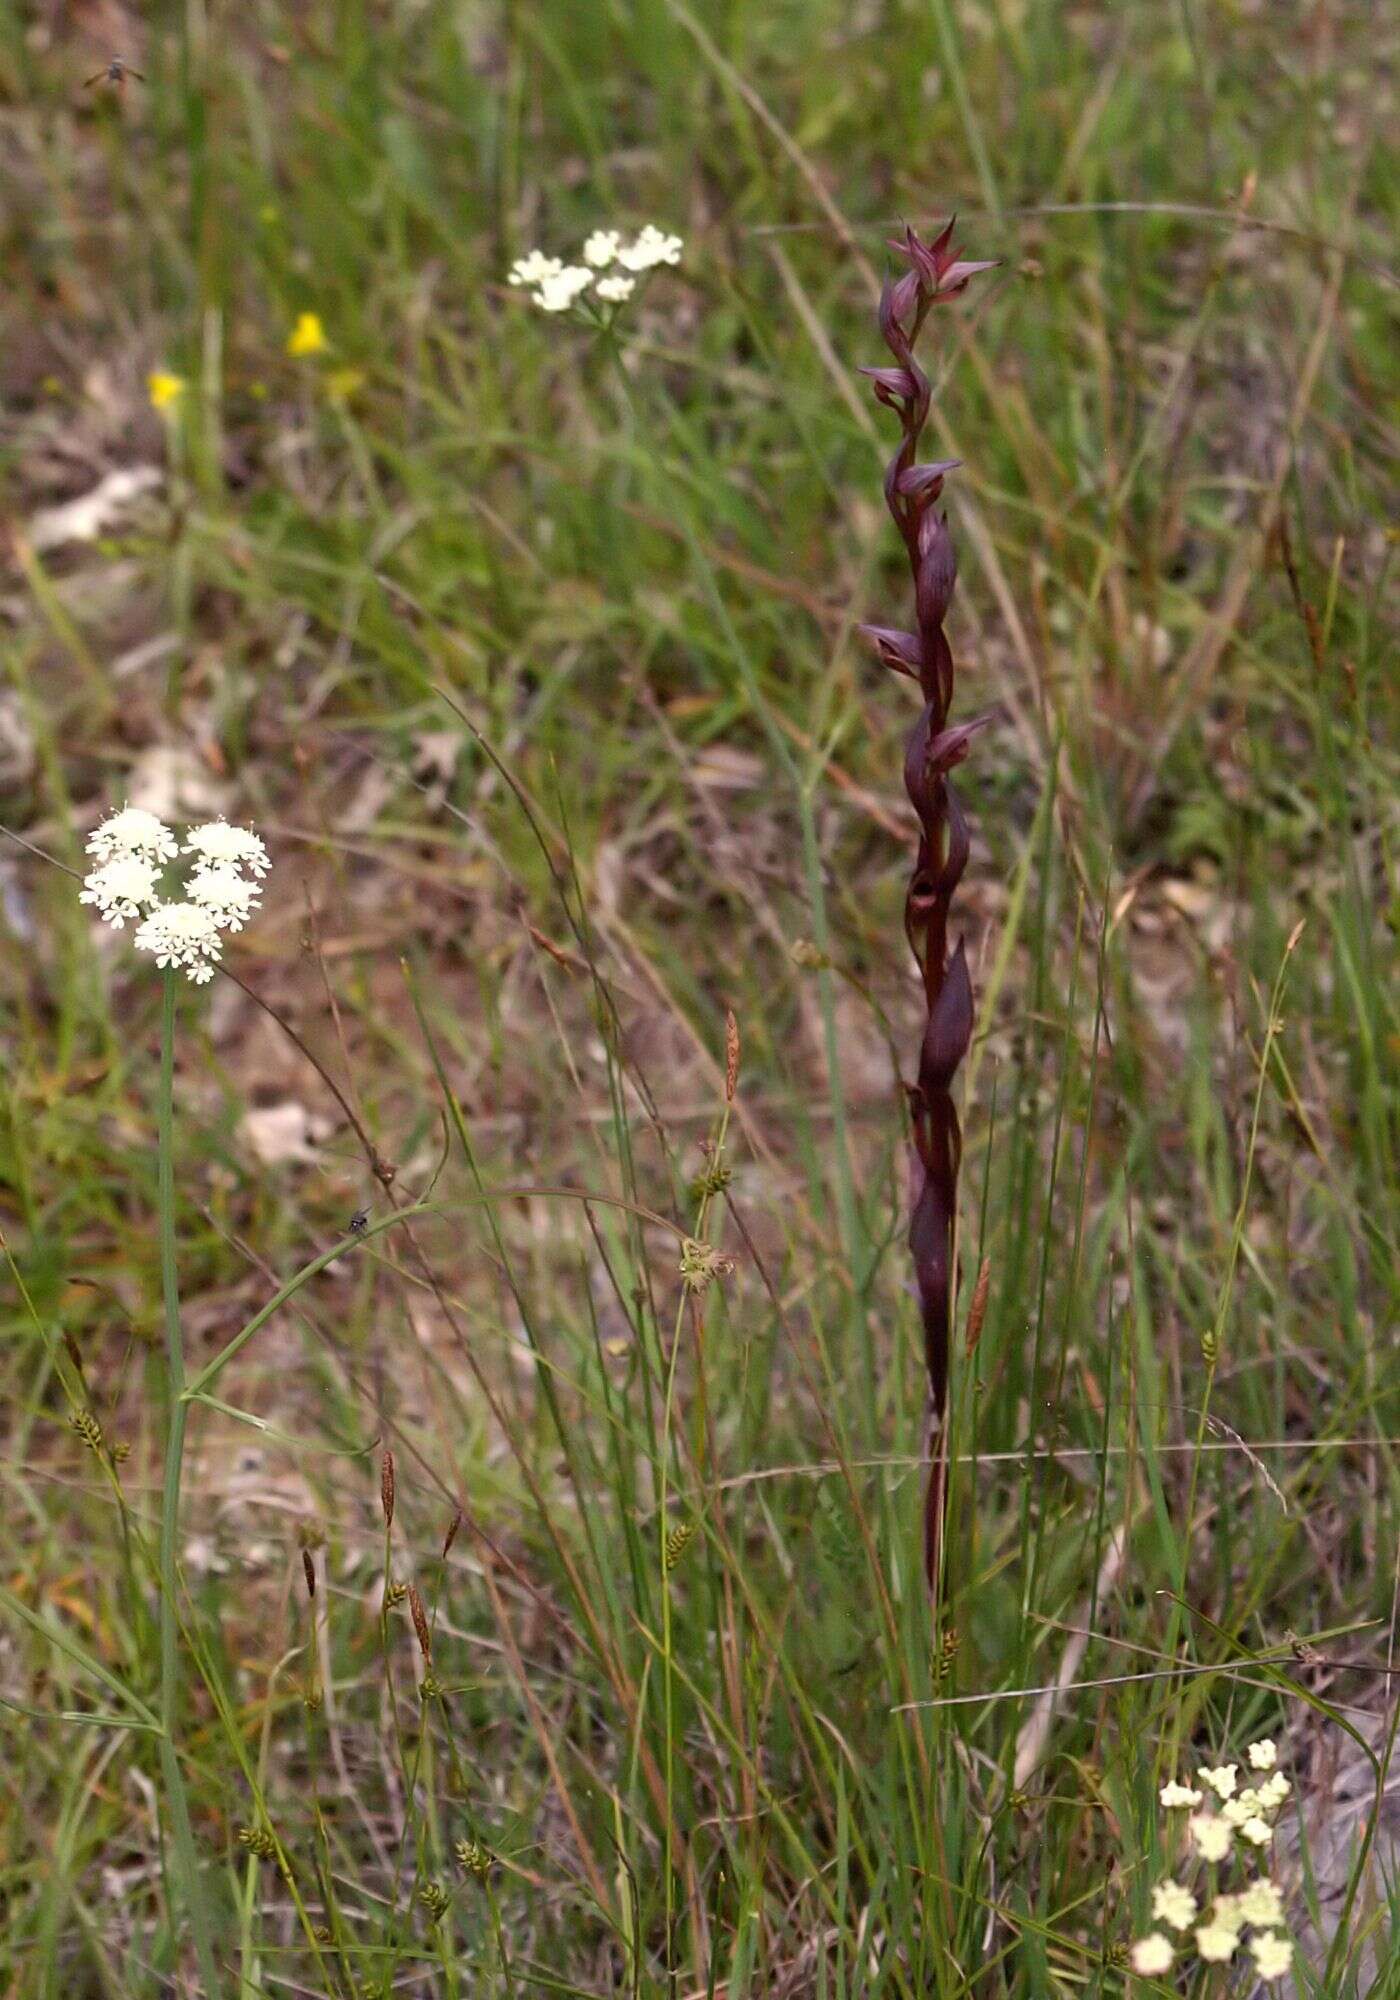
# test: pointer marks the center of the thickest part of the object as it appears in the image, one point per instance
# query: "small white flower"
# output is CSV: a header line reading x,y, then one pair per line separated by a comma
x,y
1172,1905
1272,1955
1173,1794
1213,1837
558,292
534,269
1236,1811
1261,1903
616,288
1273,1791
1221,1780
184,935
1263,1755
650,249
1227,1914
602,248
1152,1955
236,846
121,889
133,833
230,898
1257,1832
1216,1943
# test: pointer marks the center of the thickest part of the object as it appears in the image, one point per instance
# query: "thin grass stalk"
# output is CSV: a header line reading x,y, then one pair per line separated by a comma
x,y
185,1861
912,492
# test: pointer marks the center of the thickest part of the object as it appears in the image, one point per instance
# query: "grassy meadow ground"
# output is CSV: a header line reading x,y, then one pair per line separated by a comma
x,y
532,657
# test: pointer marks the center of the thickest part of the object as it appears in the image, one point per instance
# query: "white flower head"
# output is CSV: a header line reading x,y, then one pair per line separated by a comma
x,y
1237,1811
1261,1904
1222,1780
1227,1914
1272,1955
534,269
238,846
230,898
183,935
1263,1755
1152,1955
1213,1837
602,248
561,288
1173,1905
1217,1943
1173,1794
1257,1832
651,247
616,288
133,833
1273,1791
121,889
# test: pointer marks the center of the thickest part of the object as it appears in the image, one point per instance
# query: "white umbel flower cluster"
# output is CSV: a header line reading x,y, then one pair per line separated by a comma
x,y
230,898
555,286
217,843
183,935
122,889
1219,1810
132,834
131,848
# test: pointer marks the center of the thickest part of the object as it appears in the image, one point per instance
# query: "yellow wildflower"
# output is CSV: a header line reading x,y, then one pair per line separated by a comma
x,y
164,390
307,337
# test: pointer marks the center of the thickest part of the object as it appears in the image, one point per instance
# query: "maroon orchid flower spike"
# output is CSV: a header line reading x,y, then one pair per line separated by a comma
x,y
935,746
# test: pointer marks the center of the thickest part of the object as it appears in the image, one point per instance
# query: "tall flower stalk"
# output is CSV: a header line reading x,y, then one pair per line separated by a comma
x,y
934,746
133,852
185,1860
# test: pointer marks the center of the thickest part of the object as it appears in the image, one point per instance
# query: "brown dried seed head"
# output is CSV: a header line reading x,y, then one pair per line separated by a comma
x,y
454,1528
386,1487
420,1623
977,1311
731,1056
309,1572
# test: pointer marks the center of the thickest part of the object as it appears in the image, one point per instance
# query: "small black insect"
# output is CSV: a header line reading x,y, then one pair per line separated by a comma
x,y
117,71
359,1222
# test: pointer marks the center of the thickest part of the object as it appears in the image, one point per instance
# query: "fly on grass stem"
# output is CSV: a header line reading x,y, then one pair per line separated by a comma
x,y
117,71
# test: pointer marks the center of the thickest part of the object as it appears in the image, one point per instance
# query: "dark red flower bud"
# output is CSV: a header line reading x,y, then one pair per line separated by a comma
x,y
949,1028
898,298
892,385
938,569
897,650
955,278
920,258
950,746
925,482
941,247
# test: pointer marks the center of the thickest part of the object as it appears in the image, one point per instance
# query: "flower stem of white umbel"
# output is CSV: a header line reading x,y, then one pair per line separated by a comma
x,y
184,1870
